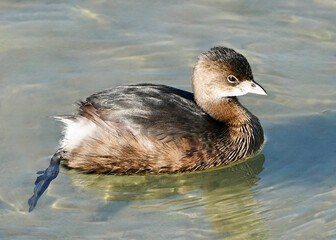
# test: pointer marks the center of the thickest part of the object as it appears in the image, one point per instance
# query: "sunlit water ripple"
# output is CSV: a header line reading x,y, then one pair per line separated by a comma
x,y
54,54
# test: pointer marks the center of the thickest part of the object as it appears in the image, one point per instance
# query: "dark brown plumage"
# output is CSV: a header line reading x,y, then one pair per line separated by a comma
x,y
150,128
151,143
155,128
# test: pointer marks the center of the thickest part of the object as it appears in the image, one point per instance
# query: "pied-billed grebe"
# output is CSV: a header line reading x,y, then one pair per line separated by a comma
x,y
150,128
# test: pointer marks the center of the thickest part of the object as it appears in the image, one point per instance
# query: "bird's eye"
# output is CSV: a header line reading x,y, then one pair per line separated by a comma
x,y
232,79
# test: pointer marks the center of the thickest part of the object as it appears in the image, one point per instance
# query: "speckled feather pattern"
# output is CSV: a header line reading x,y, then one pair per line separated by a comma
x,y
141,140
149,128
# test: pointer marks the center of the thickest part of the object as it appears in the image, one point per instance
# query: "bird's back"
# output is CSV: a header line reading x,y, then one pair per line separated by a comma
x,y
159,111
140,128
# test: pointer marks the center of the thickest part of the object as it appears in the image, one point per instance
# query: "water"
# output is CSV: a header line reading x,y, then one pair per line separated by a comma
x,y
54,53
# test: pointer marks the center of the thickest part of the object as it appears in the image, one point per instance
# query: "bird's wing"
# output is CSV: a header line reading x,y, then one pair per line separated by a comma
x,y
158,111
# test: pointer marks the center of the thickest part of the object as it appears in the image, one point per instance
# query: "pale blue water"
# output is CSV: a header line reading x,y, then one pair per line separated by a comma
x,y
54,53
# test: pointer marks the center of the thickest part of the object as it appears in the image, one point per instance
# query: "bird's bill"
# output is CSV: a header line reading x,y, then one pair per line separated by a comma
x,y
254,87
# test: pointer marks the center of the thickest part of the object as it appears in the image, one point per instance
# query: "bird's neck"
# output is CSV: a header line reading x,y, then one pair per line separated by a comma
x,y
227,110
242,132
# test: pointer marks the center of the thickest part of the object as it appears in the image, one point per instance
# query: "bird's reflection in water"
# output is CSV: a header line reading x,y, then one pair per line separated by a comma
x,y
225,193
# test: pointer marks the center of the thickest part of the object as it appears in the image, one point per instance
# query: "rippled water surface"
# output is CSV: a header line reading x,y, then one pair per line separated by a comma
x,y
54,53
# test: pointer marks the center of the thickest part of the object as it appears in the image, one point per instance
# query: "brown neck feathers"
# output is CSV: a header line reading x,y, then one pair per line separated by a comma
x,y
242,133
228,110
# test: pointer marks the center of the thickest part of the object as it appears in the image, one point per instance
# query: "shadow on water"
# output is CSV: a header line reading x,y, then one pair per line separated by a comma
x,y
302,150
225,194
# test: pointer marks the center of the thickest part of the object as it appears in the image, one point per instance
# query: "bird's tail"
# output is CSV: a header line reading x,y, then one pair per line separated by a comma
x,y
42,182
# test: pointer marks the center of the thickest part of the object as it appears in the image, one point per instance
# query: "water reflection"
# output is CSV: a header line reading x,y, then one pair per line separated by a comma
x,y
55,53
226,195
